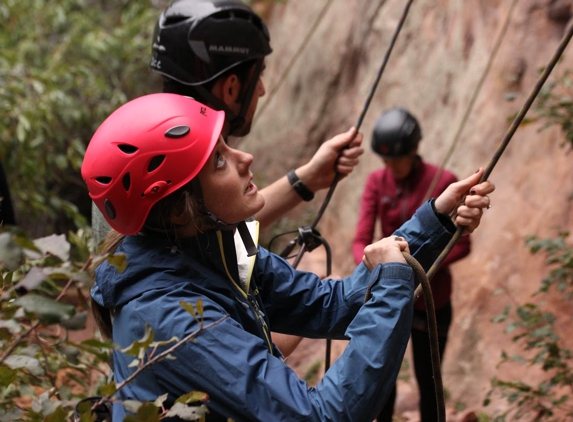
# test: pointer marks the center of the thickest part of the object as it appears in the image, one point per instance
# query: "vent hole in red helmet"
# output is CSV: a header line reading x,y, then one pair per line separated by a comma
x,y
178,131
127,149
155,163
109,209
126,181
104,180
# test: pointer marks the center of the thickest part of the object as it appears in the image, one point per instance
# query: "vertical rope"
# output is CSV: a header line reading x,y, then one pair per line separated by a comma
x,y
472,102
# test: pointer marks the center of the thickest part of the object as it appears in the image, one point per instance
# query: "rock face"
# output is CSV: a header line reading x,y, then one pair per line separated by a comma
x,y
436,65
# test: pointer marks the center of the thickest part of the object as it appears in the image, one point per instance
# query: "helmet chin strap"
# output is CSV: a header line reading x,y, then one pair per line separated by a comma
x,y
242,229
219,224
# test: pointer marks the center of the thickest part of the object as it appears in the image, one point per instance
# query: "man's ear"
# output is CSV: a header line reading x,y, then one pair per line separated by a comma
x,y
229,89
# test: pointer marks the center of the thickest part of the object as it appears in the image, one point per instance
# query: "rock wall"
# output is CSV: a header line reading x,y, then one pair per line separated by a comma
x,y
434,69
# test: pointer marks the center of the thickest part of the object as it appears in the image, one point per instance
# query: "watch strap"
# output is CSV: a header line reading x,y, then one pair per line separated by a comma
x,y
305,193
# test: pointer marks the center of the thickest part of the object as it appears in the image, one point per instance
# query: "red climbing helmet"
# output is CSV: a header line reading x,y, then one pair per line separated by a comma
x,y
145,150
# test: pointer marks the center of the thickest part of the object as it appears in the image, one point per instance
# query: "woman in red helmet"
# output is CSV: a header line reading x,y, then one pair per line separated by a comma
x,y
177,195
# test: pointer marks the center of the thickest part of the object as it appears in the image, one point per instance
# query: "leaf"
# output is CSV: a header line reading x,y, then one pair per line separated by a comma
x,y
160,400
146,412
119,261
7,375
138,348
188,307
193,397
187,413
31,281
109,389
56,245
10,253
46,310
58,415
76,322
28,363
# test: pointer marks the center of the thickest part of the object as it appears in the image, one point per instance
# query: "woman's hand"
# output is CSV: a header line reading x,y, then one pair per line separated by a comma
x,y
471,199
385,250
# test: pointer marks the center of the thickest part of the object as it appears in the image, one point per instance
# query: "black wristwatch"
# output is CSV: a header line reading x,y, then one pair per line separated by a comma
x,y
305,193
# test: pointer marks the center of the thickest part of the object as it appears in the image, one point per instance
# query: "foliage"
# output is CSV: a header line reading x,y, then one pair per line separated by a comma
x,y
554,106
65,66
43,373
533,328
532,325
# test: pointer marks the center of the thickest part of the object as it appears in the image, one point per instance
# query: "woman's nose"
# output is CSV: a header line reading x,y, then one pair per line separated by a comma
x,y
245,161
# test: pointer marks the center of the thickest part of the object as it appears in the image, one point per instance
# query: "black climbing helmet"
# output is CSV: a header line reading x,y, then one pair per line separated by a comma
x,y
396,133
197,40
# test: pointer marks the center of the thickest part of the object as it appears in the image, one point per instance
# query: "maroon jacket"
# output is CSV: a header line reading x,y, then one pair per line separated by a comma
x,y
392,202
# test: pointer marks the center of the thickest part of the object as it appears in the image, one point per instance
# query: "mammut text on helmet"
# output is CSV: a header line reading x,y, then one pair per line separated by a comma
x,y
228,49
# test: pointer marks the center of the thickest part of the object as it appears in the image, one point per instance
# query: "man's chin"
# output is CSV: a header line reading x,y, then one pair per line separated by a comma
x,y
242,131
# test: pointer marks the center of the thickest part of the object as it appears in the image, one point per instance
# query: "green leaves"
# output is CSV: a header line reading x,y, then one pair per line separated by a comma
x,y
47,310
65,66
533,328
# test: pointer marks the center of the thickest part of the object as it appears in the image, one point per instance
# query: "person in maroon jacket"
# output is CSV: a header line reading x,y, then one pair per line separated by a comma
x,y
391,196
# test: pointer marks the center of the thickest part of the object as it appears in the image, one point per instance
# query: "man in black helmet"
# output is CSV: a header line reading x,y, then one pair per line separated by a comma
x,y
391,196
214,51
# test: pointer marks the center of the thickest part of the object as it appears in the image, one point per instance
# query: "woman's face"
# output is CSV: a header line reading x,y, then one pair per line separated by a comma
x,y
226,181
401,167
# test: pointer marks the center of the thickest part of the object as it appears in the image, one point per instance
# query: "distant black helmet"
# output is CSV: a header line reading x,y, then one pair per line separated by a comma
x,y
197,40
396,133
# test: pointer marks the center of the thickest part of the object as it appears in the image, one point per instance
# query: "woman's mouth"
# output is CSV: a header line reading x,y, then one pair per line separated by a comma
x,y
251,188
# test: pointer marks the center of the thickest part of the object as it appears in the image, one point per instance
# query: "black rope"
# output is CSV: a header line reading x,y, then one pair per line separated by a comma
x,y
505,141
328,197
299,240
473,100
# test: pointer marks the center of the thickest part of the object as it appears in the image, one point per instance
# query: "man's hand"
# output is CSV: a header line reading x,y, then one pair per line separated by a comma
x,y
337,155
474,198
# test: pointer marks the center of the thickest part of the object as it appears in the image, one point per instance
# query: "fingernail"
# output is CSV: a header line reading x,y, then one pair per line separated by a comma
x,y
477,171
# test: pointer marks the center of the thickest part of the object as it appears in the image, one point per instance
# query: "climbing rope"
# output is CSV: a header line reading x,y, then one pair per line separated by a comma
x,y
424,285
288,249
300,240
472,102
505,141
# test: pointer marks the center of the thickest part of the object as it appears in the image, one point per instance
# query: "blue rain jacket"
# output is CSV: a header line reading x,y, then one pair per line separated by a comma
x,y
234,361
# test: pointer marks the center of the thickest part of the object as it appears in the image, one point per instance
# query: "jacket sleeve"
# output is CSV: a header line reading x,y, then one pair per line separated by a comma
x,y
300,303
366,223
247,383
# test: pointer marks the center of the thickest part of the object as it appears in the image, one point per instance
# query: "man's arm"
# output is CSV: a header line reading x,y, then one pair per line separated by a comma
x,y
337,155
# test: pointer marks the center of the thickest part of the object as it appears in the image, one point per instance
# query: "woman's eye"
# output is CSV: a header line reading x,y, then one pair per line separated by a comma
x,y
219,160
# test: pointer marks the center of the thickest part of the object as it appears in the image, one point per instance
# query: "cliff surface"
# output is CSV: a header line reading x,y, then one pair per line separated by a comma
x,y
437,63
